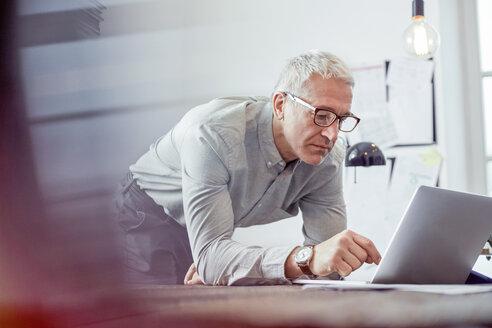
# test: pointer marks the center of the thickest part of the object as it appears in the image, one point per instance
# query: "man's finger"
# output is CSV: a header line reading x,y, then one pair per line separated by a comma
x,y
195,280
189,274
344,269
358,252
368,246
353,261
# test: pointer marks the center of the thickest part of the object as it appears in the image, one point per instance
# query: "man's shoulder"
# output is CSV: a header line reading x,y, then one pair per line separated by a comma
x,y
224,110
239,99
225,117
222,106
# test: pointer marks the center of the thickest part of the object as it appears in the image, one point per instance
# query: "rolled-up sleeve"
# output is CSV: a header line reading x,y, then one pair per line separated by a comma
x,y
209,216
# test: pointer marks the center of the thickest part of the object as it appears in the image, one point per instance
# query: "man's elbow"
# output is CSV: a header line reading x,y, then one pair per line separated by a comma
x,y
209,272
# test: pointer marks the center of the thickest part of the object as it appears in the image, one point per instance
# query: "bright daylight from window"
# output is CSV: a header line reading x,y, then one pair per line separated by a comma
x,y
484,8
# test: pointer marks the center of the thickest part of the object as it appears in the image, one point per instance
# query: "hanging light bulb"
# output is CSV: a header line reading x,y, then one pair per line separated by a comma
x,y
421,39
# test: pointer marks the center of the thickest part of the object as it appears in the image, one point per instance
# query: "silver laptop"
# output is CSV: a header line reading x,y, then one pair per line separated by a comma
x,y
437,241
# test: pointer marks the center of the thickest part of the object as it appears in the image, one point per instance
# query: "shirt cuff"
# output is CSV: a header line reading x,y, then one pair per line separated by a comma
x,y
273,264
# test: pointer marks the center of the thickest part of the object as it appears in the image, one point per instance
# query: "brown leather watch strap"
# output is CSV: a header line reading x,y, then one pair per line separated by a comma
x,y
305,269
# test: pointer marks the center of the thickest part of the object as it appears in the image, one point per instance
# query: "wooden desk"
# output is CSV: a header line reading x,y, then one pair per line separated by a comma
x,y
259,306
290,306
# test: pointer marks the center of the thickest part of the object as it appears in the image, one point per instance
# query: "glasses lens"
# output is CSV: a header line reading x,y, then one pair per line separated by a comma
x,y
324,117
347,123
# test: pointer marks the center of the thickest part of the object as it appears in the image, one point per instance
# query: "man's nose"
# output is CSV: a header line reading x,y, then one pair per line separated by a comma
x,y
331,132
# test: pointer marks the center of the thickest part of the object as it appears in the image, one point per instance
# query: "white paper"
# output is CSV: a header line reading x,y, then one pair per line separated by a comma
x,y
411,111
436,289
410,100
408,71
366,201
370,105
375,204
411,170
483,265
396,108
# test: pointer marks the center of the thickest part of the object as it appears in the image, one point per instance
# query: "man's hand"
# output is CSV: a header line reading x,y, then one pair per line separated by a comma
x,y
192,277
343,253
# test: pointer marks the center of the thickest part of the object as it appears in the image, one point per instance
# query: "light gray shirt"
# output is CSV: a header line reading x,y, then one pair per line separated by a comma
x,y
219,168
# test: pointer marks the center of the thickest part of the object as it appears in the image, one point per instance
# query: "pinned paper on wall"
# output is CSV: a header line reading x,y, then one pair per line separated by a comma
x,y
410,171
376,203
370,105
410,95
394,100
366,199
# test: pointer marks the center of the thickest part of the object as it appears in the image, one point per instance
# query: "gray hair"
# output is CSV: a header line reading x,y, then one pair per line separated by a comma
x,y
299,70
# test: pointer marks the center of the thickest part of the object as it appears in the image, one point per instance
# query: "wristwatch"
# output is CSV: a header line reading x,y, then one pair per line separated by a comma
x,y
303,257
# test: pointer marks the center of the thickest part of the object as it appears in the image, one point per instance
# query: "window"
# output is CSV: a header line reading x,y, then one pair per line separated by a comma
x,y
484,10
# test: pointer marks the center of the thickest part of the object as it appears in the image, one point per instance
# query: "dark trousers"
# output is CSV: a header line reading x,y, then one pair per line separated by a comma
x,y
156,248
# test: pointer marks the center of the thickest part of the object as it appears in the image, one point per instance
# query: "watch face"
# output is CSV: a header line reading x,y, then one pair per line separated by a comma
x,y
303,254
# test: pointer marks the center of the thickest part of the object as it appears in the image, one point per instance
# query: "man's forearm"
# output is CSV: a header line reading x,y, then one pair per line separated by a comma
x,y
292,270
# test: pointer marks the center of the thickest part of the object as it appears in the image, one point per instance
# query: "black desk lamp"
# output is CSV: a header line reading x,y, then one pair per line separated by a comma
x,y
364,154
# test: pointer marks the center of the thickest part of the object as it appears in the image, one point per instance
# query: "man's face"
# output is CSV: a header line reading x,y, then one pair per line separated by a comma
x,y
304,139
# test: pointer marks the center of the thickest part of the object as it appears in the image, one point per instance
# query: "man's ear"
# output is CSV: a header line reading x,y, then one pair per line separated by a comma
x,y
279,100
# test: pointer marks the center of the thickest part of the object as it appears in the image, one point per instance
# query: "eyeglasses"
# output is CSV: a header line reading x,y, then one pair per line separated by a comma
x,y
325,117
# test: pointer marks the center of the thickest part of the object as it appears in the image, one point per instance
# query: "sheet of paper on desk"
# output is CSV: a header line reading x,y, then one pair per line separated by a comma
x,y
435,289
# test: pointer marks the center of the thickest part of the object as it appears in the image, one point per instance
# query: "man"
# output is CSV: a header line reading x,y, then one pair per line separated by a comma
x,y
237,162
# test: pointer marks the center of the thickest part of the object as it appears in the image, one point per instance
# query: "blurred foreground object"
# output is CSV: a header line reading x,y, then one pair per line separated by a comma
x,y
56,270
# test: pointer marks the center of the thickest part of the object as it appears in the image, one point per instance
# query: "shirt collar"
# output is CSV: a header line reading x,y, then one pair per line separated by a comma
x,y
265,135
